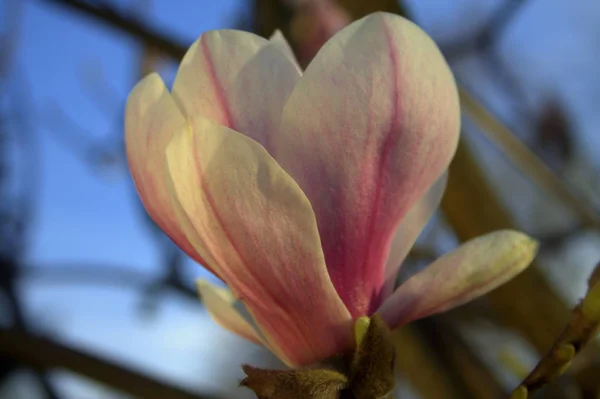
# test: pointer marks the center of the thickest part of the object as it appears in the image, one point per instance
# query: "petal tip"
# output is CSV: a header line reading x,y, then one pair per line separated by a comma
x,y
530,247
277,35
526,246
201,285
151,85
146,93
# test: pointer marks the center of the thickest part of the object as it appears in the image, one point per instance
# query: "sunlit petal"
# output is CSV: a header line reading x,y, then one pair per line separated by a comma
x,y
221,305
251,217
151,119
236,79
371,125
475,268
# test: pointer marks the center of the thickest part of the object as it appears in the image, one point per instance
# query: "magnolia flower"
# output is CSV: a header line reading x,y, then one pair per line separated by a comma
x,y
304,192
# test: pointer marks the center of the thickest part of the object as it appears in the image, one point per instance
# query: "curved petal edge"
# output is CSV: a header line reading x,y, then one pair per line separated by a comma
x,y
475,268
254,222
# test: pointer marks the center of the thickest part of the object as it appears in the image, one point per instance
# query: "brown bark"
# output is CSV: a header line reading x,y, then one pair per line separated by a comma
x,y
47,354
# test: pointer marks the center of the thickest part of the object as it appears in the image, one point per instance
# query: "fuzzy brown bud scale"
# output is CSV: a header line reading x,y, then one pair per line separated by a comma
x,y
368,374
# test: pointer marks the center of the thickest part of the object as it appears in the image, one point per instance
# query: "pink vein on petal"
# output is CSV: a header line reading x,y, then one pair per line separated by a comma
x,y
218,87
211,203
248,293
385,154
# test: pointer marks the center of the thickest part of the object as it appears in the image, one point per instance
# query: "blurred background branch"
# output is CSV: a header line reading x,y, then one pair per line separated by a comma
x,y
436,357
103,12
44,353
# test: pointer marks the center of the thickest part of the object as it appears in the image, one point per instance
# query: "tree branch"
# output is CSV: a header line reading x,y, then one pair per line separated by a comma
x,y
45,354
489,34
529,164
129,25
108,275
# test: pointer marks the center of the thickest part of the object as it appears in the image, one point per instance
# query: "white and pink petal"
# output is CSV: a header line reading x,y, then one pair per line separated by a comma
x,y
151,119
237,79
279,40
220,303
252,218
475,268
370,126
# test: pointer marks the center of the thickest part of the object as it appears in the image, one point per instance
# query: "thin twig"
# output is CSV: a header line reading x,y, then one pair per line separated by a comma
x,y
507,82
488,35
485,43
21,325
77,139
129,25
98,274
526,160
581,329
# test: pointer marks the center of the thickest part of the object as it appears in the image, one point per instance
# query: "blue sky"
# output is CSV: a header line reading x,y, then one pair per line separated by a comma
x,y
83,217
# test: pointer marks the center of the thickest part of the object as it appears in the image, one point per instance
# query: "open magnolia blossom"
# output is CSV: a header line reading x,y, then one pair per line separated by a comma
x,y
304,192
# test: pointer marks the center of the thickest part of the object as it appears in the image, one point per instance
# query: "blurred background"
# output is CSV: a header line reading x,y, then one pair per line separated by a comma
x,y
95,302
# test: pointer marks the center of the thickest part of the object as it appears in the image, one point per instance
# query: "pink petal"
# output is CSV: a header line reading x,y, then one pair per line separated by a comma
x,y
409,229
282,44
220,304
151,118
371,125
251,217
475,268
236,79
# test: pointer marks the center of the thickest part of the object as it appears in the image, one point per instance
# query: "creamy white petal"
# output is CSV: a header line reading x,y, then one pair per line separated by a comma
x,y
475,268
